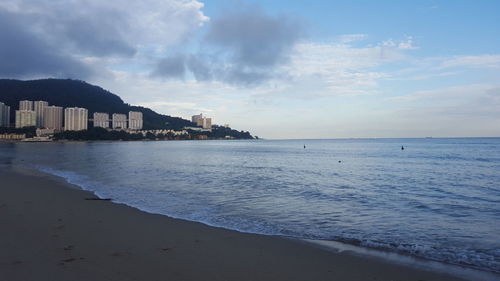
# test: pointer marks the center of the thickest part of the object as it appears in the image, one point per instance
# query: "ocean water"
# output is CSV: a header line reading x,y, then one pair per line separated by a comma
x,y
438,199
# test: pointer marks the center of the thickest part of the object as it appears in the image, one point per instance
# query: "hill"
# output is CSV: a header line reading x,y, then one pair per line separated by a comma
x,y
71,93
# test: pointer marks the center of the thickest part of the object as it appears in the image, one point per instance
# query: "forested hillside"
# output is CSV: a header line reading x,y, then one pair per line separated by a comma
x,y
71,93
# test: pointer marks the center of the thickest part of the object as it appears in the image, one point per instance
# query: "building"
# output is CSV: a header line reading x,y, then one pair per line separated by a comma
x,y
101,120
12,136
38,106
206,123
76,119
119,121
199,120
44,132
25,105
53,117
165,132
197,129
4,115
135,120
25,118
196,119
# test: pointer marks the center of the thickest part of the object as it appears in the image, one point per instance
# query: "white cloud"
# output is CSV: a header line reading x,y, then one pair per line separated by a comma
x,y
174,106
342,68
452,94
349,38
492,61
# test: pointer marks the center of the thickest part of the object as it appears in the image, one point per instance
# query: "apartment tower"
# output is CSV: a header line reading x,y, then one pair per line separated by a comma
x,y
119,121
75,119
101,120
4,115
25,118
135,120
38,107
53,117
196,119
25,105
206,123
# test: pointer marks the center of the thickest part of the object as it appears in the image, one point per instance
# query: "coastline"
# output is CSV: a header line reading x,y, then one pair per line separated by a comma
x,y
53,233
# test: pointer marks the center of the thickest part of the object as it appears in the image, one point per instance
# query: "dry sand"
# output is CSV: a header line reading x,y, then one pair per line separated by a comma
x,y
48,231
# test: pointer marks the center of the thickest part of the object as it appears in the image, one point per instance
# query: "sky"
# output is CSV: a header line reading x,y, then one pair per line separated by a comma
x,y
279,69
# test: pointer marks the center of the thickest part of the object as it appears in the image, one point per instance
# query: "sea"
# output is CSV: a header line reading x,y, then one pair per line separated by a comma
x,y
437,199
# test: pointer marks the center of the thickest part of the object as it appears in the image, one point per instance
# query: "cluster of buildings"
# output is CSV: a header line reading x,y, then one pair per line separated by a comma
x,y
50,119
204,122
118,120
42,115
165,132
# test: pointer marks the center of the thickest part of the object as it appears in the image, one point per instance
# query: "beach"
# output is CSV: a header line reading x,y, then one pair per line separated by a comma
x,y
52,230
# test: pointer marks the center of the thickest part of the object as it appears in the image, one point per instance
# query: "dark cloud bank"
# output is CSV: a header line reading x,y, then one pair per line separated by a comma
x,y
48,42
22,53
242,47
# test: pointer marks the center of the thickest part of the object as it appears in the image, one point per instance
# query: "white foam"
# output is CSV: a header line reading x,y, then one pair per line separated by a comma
x,y
455,270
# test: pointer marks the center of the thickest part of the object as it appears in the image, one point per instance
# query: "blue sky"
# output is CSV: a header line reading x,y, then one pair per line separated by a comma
x,y
280,69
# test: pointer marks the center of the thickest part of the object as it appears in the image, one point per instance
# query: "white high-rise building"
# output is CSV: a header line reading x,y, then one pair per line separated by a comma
x,y
119,121
206,123
53,117
25,105
38,107
197,118
25,118
101,120
75,119
4,115
135,120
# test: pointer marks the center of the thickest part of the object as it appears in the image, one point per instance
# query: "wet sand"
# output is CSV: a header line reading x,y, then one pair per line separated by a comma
x,y
51,231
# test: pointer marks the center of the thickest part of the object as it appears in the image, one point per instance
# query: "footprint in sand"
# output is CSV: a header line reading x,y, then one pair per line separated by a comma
x,y
119,254
69,260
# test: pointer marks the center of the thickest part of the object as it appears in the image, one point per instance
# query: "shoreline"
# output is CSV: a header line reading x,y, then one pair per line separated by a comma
x,y
225,255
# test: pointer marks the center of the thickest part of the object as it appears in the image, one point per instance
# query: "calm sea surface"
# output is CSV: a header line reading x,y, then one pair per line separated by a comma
x,y
438,199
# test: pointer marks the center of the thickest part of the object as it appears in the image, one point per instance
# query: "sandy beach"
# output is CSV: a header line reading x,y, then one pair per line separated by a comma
x,y
50,230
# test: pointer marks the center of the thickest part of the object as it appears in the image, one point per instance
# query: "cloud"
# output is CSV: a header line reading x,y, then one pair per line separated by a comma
x,y
401,45
465,110
171,67
175,106
243,47
349,38
24,54
339,68
253,38
454,94
65,34
490,61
